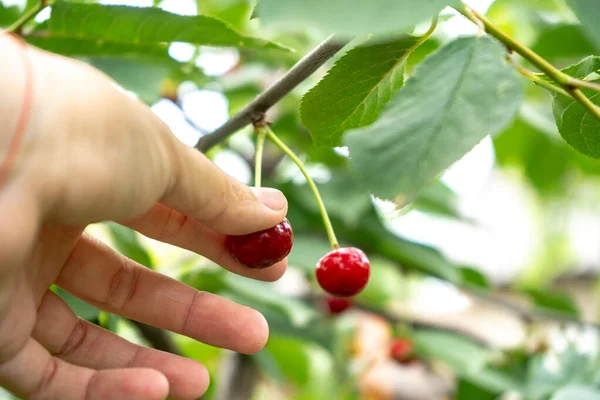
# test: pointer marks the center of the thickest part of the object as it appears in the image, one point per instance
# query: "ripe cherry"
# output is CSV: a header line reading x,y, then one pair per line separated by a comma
x,y
343,272
401,350
262,249
337,305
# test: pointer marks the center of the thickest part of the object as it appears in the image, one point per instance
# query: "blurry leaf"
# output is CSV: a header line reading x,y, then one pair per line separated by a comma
x,y
588,13
577,393
343,196
559,43
298,312
544,160
458,95
127,243
439,199
305,364
351,17
235,12
355,89
550,372
553,301
145,26
421,53
265,360
81,47
280,323
109,321
469,391
412,255
81,308
307,251
206,279
492,381
8,15
576,125
144,79
461,354
385,284
373,237
520,18
474,278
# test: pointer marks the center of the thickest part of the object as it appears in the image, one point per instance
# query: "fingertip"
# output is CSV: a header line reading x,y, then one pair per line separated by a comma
x,y
151,385
259,332
272,198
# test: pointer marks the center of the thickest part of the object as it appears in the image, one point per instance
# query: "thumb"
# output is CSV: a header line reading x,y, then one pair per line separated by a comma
x,y
204,192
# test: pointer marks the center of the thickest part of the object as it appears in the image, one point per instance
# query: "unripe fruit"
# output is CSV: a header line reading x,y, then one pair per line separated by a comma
x,y
262,249
343,272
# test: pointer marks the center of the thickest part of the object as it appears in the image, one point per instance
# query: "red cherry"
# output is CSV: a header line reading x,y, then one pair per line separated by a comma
x,y
262,249
337,305
343,272
401,350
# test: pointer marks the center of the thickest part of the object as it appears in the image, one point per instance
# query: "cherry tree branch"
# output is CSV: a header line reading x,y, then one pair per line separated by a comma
x,y
256,109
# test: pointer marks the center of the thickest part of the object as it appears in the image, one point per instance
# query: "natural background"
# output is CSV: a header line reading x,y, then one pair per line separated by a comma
x,y
491,271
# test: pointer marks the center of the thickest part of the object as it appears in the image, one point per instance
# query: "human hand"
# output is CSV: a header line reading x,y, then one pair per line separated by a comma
x,y
90,154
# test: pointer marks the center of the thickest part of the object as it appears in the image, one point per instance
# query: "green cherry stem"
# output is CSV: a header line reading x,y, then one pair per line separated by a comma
x,y
260,144
570,85
18,24
290,153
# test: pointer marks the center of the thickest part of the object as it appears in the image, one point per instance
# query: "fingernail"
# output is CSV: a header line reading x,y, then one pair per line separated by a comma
x,y
271,198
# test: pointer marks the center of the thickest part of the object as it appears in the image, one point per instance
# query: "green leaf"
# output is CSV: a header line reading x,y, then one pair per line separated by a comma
x,y
439,199
307,250
576,125
492,381
584,68
581,69
588,13
298,312
385,284
81,308
8,15
460,94
127,243
81,47
468,390
564,42
318,331
143,78
308,366
553,301
461,354
576,392
355,89
474,278
571,367
144,26
235,12
351,17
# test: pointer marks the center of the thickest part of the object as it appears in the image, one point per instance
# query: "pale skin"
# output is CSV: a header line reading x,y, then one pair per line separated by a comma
x,y
92,153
